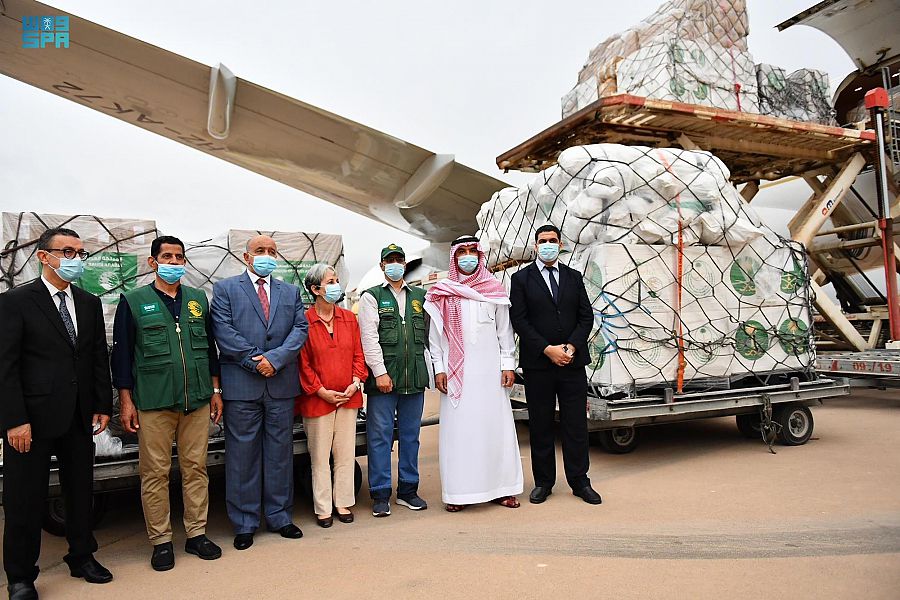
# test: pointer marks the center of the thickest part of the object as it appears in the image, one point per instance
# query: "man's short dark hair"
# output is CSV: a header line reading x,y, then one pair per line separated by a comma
x,y
45,242
156,245
545,228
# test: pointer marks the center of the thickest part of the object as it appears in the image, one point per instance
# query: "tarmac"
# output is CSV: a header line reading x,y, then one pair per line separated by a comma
x,y
696,511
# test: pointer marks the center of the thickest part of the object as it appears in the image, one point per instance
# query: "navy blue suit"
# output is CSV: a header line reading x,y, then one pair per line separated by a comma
x,y
258,410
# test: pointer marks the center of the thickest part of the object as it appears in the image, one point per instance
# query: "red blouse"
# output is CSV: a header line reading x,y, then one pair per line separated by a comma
x,y
330,362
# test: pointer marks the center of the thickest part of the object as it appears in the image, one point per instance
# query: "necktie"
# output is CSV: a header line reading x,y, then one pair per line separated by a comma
x,y
554,286
263,297
66,317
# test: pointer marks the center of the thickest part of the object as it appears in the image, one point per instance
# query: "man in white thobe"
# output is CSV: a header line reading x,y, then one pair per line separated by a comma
x,y
473,352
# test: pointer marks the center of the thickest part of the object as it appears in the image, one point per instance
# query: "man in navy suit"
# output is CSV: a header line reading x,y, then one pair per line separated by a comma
x,y
553,317
259,326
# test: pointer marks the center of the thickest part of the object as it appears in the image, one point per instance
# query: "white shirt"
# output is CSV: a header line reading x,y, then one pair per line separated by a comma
x,y
368,326
70,300
266,280
546,274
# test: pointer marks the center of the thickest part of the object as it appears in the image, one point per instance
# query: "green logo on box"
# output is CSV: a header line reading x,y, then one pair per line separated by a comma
x,y
743,271
752,340
793,280
793,337
108,274
294,272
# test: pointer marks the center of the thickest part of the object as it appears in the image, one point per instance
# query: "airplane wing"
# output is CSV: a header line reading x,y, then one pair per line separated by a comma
x,y
307,148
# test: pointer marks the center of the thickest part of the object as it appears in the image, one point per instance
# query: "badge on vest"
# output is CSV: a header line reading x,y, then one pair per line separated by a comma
x,y
146,309
417,306
195,309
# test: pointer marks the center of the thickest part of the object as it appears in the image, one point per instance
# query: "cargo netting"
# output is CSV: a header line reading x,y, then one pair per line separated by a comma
x,y
689,289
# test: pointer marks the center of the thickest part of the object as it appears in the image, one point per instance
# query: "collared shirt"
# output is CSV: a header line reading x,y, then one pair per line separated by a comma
x,y
368,326
545,273
266,282
125,337
70,300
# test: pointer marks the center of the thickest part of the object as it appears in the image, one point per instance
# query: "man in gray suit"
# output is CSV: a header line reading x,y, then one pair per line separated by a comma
x,y
259,325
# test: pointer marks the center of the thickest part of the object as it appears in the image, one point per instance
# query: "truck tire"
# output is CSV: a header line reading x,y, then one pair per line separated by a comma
x,y
620,440
796,423
54,519
749,426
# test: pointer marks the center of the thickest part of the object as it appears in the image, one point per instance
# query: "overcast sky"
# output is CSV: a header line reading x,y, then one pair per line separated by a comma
x,y
470,77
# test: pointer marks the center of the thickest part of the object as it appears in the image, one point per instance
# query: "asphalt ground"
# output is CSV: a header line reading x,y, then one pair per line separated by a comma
x,y
696,511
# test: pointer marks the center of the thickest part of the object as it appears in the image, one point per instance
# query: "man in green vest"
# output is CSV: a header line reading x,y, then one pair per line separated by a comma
x,y
393,330
166,368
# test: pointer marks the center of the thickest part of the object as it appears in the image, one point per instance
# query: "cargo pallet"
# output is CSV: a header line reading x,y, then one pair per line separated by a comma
x,y
769,412
872,368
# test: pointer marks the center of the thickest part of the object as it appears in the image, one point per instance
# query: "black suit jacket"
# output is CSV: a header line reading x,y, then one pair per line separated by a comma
x,y
43,378
540,322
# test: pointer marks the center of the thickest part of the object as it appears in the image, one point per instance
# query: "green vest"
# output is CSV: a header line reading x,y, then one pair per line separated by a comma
x,y
171,360
402,341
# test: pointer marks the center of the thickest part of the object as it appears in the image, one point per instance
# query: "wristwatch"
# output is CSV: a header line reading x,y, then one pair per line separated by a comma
x,y
218,390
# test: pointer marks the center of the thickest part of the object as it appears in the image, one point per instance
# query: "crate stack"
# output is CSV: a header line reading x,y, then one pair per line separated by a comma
x,y
696,52
689,289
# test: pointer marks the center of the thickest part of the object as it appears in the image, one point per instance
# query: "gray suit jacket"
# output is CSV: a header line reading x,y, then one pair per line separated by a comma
x,y
242,332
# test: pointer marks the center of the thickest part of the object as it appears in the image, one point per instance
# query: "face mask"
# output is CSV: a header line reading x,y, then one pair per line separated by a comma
x,y
264,265
467,264
394,271
333,292
70,269
170,273
548,251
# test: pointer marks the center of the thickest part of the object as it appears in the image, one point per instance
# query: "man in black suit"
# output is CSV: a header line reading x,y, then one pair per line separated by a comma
x,y
553,317
54,390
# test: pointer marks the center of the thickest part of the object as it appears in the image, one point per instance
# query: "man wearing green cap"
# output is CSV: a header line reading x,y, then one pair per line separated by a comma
x,y
393,330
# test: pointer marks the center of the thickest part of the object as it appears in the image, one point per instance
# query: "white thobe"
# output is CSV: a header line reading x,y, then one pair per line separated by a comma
x,y
479,450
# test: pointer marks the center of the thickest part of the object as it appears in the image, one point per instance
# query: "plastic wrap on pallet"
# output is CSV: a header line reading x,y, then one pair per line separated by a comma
x,y
720,23
803,95
693,72
684,279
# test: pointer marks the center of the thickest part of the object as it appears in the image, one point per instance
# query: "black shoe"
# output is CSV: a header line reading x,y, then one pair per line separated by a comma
x,y
348,518
539,494
289,531
242,541
202,546
22,590
324,523
163,557
588,494
92,572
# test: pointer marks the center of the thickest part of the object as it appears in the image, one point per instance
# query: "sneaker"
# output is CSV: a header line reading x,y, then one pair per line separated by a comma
x,y
412,502
381,508
163,557
203,547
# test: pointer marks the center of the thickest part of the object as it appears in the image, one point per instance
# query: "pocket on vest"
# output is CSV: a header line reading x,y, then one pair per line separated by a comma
x,y
156,341
388,330
199,340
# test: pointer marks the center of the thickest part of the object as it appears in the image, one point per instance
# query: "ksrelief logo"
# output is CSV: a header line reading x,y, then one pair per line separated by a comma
x,y
793,337
752,340
743,272
416,306
195,309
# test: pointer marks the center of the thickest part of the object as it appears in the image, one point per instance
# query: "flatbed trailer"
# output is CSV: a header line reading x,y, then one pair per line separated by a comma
x,y
770,412
870,368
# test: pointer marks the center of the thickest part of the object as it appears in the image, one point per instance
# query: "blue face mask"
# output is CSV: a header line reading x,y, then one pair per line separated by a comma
x,y
394,271
264,265
467,264
70,269
170,273
333,292
548,251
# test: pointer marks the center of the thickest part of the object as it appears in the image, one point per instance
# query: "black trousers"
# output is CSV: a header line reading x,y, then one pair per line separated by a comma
x,y
543,387
25,481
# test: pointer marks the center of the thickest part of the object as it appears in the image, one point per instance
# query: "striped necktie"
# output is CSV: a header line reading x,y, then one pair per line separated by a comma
x,y
66,317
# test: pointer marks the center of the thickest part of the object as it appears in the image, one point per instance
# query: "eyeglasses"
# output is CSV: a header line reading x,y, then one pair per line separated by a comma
x,y
70,252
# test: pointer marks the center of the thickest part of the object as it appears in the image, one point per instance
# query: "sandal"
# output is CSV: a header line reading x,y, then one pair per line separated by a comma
x,y
455,507
507,501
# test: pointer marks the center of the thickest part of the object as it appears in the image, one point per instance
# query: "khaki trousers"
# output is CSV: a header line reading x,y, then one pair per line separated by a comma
x,y
332,434
159,428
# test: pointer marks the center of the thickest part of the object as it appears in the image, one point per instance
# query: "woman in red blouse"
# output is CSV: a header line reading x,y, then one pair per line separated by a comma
x,y
332,369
